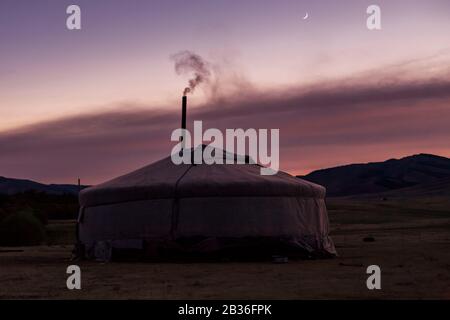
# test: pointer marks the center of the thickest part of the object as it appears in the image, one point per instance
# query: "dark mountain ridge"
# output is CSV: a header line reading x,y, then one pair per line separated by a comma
x,y
10,186
378,177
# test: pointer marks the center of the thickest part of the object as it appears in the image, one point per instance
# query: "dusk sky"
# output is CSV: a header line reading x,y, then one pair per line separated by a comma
x,y
101,101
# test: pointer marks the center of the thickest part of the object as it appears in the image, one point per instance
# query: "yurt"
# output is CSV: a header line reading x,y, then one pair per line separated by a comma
x,y
165,210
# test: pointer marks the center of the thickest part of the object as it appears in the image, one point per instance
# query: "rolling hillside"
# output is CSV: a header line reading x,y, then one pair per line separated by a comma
x,y
417,173
11,186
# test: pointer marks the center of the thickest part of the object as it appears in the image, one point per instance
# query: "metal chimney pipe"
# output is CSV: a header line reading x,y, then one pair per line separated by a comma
x,y
183,112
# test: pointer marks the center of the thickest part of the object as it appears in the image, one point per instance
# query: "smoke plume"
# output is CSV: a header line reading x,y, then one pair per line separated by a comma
x,y
187,62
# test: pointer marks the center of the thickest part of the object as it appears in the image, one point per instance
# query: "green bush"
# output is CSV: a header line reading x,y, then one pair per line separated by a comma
x,y
22,228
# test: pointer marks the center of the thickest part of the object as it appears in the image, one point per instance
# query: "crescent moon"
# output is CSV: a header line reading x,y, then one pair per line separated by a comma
x,y
306,16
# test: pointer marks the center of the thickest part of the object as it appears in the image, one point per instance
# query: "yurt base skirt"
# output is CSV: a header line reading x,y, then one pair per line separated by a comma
x,y
208,249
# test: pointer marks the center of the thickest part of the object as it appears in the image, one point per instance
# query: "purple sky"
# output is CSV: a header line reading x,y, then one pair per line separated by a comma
x,y
103,100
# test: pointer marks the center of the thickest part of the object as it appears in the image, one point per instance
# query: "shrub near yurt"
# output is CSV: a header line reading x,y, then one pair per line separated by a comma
x,y
22,228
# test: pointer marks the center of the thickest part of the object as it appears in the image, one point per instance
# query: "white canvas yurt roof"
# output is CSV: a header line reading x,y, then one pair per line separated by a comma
x,y
205,207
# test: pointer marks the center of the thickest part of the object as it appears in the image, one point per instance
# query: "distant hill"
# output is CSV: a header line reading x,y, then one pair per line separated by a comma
x,y
440,187
11,186
418,173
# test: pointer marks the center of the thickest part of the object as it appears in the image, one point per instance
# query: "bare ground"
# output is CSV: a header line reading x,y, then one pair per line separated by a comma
x,y
414,259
